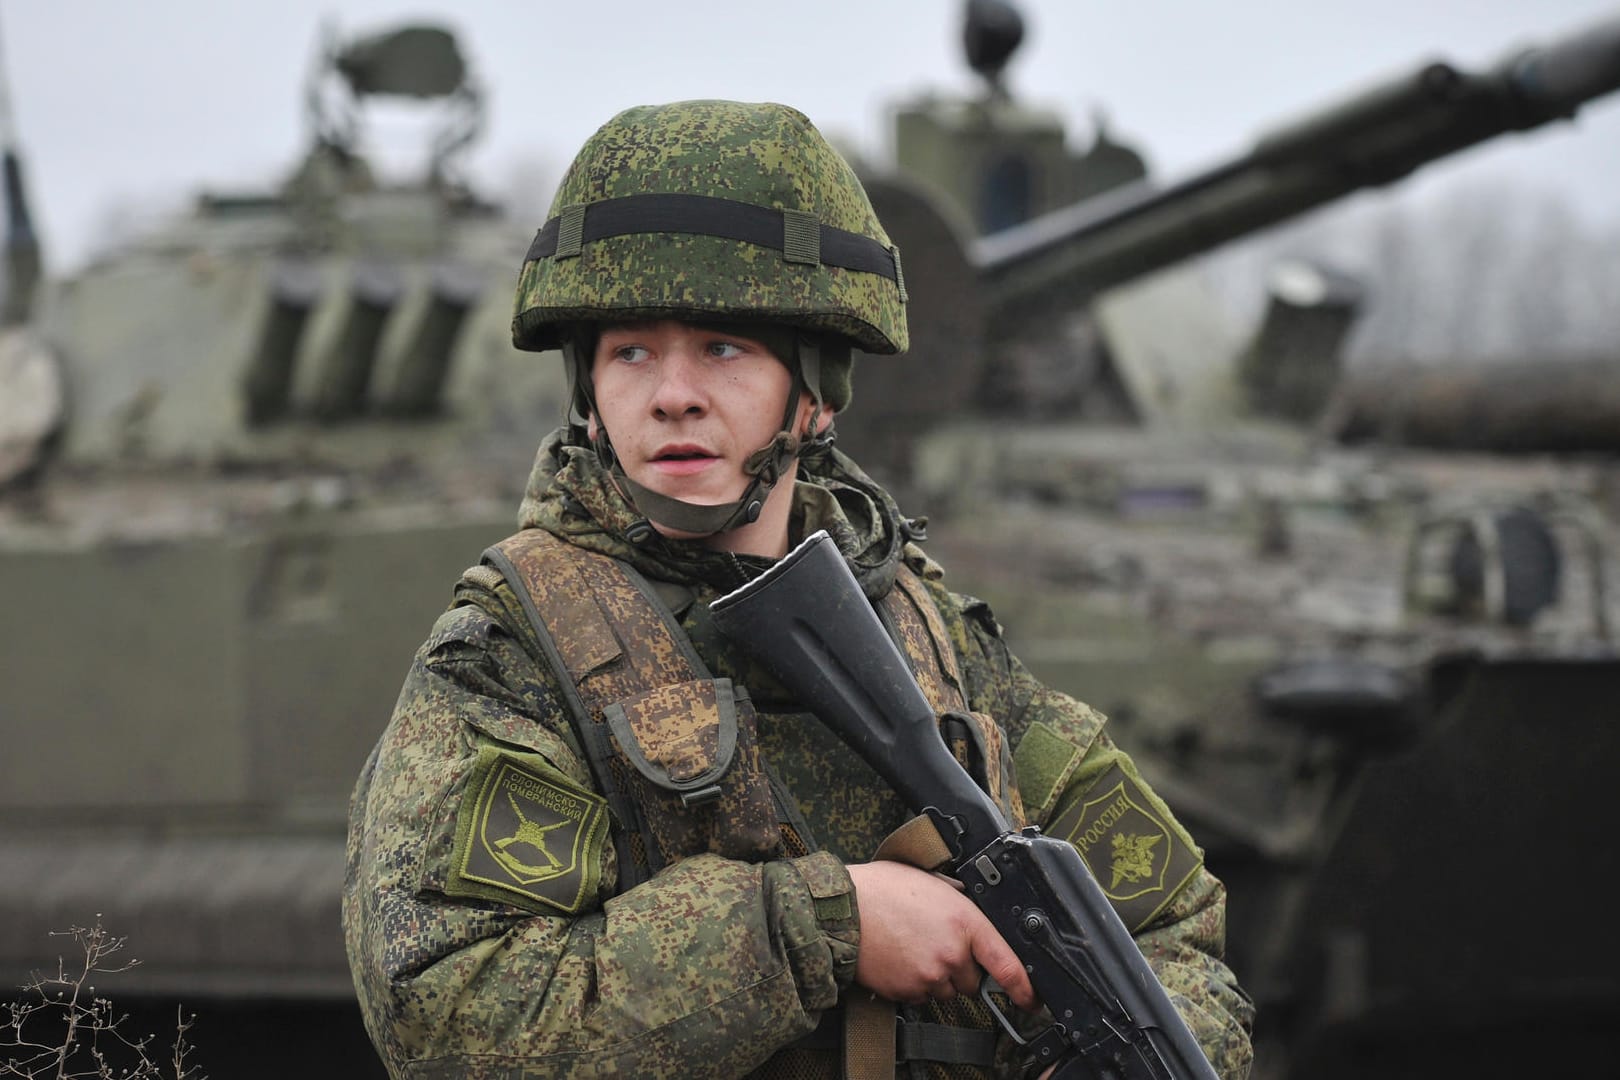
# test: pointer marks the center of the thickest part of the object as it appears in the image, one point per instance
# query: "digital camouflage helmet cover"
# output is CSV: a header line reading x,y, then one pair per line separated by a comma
x,y
705,209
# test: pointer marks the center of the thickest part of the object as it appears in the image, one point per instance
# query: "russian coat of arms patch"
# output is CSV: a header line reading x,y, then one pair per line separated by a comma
x,y
1137,853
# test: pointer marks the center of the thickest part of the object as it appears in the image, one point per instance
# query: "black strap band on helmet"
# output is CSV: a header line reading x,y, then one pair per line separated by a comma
x,y
799,236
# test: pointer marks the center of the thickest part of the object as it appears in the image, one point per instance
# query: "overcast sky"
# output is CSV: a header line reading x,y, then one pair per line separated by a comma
x,y
121,105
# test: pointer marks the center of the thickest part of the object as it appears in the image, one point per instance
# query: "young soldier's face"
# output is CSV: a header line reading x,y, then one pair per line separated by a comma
x,y
685,406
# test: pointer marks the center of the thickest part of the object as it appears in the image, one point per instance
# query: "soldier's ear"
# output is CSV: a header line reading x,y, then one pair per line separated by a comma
x,y
807,409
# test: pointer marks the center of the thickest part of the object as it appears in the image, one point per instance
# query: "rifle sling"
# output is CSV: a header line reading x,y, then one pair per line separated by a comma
x,y
916,843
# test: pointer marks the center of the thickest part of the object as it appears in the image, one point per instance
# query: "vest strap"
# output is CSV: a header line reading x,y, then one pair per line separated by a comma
x,y
869,1025
598,750
919,1040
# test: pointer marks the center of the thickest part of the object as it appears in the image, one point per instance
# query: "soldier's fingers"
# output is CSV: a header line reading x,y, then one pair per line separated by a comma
x,y
966,981
999,961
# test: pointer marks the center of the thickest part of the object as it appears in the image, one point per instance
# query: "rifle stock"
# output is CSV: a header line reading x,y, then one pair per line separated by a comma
x,y
807,620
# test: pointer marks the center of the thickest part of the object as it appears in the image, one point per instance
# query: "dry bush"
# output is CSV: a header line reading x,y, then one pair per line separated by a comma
x,y
60,1028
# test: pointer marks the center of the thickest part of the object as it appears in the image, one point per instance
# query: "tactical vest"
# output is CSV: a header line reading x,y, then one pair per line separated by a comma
x,y
675,751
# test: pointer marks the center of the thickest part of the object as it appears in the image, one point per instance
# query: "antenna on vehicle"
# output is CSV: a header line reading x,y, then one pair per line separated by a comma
x,y
23,265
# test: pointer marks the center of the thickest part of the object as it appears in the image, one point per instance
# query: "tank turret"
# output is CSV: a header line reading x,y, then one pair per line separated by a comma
x,y
1008,236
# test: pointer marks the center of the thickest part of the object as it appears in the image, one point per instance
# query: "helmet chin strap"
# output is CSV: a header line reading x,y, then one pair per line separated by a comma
x,y
766,466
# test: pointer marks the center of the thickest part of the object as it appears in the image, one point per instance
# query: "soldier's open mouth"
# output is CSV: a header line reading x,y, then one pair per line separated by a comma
x,y
683,460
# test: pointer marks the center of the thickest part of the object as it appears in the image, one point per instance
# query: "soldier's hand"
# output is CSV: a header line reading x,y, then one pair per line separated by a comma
x,y
921,938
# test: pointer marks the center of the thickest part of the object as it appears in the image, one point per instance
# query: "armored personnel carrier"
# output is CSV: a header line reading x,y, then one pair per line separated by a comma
x,y
241,460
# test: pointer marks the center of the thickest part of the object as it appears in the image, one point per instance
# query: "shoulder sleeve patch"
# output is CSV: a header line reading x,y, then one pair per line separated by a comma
x,y
527,836
1140,856
1043,763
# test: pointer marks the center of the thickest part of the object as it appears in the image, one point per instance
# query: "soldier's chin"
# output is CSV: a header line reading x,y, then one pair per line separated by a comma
x,y
669,532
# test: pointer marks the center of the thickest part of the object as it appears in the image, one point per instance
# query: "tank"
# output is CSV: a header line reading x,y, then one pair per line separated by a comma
x,y
1357,626
243,458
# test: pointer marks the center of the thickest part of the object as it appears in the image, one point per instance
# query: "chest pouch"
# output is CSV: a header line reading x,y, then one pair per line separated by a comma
x,y
694,751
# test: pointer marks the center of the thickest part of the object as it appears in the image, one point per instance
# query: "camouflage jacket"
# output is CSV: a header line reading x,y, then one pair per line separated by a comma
x,y
713,965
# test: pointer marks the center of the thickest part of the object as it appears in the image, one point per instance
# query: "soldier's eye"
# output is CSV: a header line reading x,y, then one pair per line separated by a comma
x,y
725,349
630,354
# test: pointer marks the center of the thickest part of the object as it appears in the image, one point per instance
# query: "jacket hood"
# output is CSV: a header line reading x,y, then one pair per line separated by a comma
x,y
571,495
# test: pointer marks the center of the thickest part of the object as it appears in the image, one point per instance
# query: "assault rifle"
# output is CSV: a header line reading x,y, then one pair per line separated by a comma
x,y
807,620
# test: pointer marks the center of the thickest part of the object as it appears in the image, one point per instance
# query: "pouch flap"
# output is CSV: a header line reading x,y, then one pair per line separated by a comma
x,y
681,737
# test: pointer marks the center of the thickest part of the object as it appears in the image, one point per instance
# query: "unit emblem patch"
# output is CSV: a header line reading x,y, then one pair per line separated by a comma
x,y
1137,853
527,835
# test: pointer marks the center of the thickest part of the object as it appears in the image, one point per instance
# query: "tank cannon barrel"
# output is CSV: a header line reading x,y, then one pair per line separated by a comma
x,y
1061,258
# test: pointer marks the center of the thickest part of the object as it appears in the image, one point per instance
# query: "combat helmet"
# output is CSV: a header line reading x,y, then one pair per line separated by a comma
x,y
719,212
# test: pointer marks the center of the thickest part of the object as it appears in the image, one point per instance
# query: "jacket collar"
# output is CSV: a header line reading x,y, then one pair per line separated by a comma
x,y
571,495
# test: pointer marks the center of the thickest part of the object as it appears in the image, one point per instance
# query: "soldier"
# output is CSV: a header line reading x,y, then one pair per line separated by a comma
x,y
594,840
